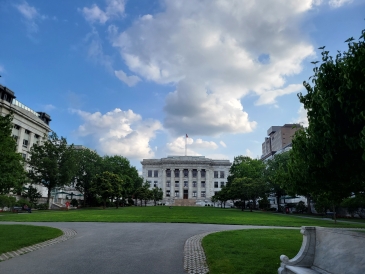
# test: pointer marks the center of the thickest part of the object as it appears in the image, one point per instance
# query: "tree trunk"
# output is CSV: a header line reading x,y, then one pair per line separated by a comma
x,y
104,203
242,204
309,204
278,198
48,197
334,213
117,205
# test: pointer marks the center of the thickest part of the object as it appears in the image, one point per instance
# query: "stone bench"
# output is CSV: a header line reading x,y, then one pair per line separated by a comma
x,y
327,250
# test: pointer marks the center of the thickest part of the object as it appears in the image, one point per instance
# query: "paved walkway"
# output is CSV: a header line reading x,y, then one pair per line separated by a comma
x,y
120,248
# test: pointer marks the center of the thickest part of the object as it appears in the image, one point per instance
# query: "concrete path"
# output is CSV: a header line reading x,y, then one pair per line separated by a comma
x,y
152,248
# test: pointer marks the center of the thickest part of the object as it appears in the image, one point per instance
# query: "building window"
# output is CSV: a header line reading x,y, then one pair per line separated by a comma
x,y
168,183
168,173
215,184
149,173
195,173
203,194
194,193
215,174
185,183
25,143
221,174
203,184
24,156
27,131
155,173
167,193
149,182
155,184
15,138
186,173
176,183
176,193
202,173
222,184
16,126
177,173
194,183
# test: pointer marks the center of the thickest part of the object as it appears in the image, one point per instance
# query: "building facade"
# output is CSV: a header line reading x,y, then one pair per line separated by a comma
x,y
279,139
29,126
186,180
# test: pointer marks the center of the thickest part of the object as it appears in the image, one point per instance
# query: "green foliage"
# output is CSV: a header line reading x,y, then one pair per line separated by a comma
x,y
22,202
12,174
156,194
107,185
88,166
43,206
52,164
7,201
32,194
264,203
330,153
300,207
276,175
74,203
354,204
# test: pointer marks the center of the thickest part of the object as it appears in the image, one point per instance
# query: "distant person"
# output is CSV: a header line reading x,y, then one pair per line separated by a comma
x,y
27,208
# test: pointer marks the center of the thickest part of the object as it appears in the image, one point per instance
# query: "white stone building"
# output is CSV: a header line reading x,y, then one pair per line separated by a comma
x,y
29,126
186,180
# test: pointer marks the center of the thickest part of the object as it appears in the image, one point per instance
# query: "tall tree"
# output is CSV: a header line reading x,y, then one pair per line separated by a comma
x,y
52,163
89,164
156,194
276,175
335,138
106,186
12,174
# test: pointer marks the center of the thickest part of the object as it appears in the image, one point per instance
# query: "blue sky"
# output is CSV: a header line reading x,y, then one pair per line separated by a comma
x,y
133,77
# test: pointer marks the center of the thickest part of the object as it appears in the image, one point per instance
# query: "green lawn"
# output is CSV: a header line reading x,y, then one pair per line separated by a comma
x,y
250,251
14,237
162,214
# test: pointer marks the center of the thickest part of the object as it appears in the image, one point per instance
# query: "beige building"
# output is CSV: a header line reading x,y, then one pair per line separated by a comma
x,y
186,180
279,138
29,126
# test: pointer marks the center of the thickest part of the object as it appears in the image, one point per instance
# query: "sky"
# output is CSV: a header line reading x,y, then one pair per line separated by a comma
x,y
135,77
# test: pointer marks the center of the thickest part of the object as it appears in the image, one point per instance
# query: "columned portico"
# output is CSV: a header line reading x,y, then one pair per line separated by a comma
x,y
189,178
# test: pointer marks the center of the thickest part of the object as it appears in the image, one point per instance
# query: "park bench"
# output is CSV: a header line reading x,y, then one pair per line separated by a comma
x,y
327,250
17,209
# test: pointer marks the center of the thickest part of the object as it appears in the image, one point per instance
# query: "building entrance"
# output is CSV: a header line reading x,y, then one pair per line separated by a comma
x,y
185,193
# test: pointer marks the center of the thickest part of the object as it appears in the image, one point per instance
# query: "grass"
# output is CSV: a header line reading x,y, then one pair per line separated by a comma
x,y
250,251
162,214
14,237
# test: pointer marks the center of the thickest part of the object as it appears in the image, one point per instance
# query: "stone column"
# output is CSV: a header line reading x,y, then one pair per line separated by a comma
x,y
31,140
190,183
163,182
181,183
21,137
198,181
172,184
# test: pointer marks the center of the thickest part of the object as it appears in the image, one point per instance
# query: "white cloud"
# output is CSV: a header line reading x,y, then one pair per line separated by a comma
x,y
269,97
177,146
338,3
129,80
114,9
49,107
2,69
302,117
95,50
119,132
31,16
223,144
211,49
249,153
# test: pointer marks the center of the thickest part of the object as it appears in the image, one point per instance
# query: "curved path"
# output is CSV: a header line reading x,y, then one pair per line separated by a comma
x,y
116,248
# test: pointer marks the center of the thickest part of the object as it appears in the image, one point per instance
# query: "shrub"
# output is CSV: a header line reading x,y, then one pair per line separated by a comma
x,y
6,201
43,206
74,203
22,202
300,207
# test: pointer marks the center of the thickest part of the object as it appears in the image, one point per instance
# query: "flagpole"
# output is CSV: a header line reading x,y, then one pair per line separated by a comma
x,y
186,143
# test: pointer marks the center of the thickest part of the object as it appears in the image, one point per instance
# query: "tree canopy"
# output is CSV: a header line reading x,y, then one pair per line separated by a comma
x,y
12,174
332,148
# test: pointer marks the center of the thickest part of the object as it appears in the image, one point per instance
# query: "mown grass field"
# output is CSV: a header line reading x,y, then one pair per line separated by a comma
x,y
162,214
250,251
14,237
